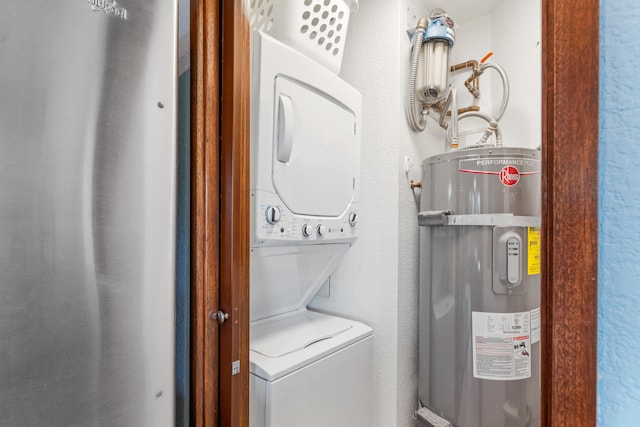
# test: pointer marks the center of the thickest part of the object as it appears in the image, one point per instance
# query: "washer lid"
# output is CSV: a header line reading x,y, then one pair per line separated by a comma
x,y
272,336
289,334
315,150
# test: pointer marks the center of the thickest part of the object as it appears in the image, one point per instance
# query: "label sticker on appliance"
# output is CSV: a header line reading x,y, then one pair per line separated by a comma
x,y
535,325
508,171
533,250
501,345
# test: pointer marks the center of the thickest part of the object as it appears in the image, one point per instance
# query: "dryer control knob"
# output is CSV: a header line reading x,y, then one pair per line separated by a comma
x,y
353,217
322,230
272,214
307,230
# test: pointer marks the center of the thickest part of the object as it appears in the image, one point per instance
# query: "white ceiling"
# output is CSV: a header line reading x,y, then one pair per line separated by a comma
x,y
463,11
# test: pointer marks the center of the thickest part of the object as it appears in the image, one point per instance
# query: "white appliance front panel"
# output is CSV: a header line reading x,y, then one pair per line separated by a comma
x,y
305,149
290,229
314,161
333,391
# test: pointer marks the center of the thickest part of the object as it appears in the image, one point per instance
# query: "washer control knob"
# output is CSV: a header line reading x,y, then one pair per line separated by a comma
x,y
353,217
272,214
322,230
307,230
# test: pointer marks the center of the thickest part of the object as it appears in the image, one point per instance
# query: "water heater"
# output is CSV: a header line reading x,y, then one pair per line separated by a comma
x,y
479,334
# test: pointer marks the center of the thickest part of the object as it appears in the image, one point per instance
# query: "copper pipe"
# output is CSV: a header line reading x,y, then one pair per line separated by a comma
x,y
472,63
415,184
472,83
473,86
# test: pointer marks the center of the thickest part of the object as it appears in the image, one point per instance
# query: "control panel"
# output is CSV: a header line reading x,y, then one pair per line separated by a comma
x,y
513,260
509,256
273,224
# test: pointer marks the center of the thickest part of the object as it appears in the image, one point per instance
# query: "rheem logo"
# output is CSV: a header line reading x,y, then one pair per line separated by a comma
x,y
509,176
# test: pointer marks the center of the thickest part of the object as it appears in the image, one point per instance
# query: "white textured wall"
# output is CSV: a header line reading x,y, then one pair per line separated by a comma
x,y
516,27
413,148
365,286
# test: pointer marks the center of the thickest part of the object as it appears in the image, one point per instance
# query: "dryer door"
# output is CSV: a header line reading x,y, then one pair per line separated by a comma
x,y
315,148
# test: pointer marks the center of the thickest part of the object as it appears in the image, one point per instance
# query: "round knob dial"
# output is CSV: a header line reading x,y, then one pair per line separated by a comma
x,y
322,230
272,214
307,230
353,217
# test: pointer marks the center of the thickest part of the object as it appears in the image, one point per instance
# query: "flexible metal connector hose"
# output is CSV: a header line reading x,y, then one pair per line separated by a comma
x,y
493,121
491,129
417,121
505,87
452,128
453,141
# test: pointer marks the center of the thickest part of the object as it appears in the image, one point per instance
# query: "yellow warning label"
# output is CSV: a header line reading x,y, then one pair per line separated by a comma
x,y
533,251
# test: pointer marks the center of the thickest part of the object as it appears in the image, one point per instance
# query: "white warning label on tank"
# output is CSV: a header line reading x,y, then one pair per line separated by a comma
x,y
535,325
501,345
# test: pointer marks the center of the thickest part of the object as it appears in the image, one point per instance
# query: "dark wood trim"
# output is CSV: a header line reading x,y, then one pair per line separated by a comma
x,y
234,239
569,211
205,209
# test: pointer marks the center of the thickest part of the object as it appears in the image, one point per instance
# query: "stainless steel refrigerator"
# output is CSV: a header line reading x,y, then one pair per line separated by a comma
x,y
87,212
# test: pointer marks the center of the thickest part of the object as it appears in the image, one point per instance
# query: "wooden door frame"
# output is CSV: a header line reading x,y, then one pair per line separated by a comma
x,y
570,81
205,211
234,214
220,177
219,207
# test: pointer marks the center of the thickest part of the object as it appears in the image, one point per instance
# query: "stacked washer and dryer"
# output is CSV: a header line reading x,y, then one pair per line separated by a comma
x,y
306,368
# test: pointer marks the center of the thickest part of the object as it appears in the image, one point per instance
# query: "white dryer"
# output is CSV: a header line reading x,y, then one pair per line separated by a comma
x,y
306,368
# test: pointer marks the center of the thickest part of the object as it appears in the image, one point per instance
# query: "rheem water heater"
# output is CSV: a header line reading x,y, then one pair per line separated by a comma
x,y
479,333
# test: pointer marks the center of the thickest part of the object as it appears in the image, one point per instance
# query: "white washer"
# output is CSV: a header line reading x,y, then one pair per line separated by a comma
x,y
309,369
306,368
